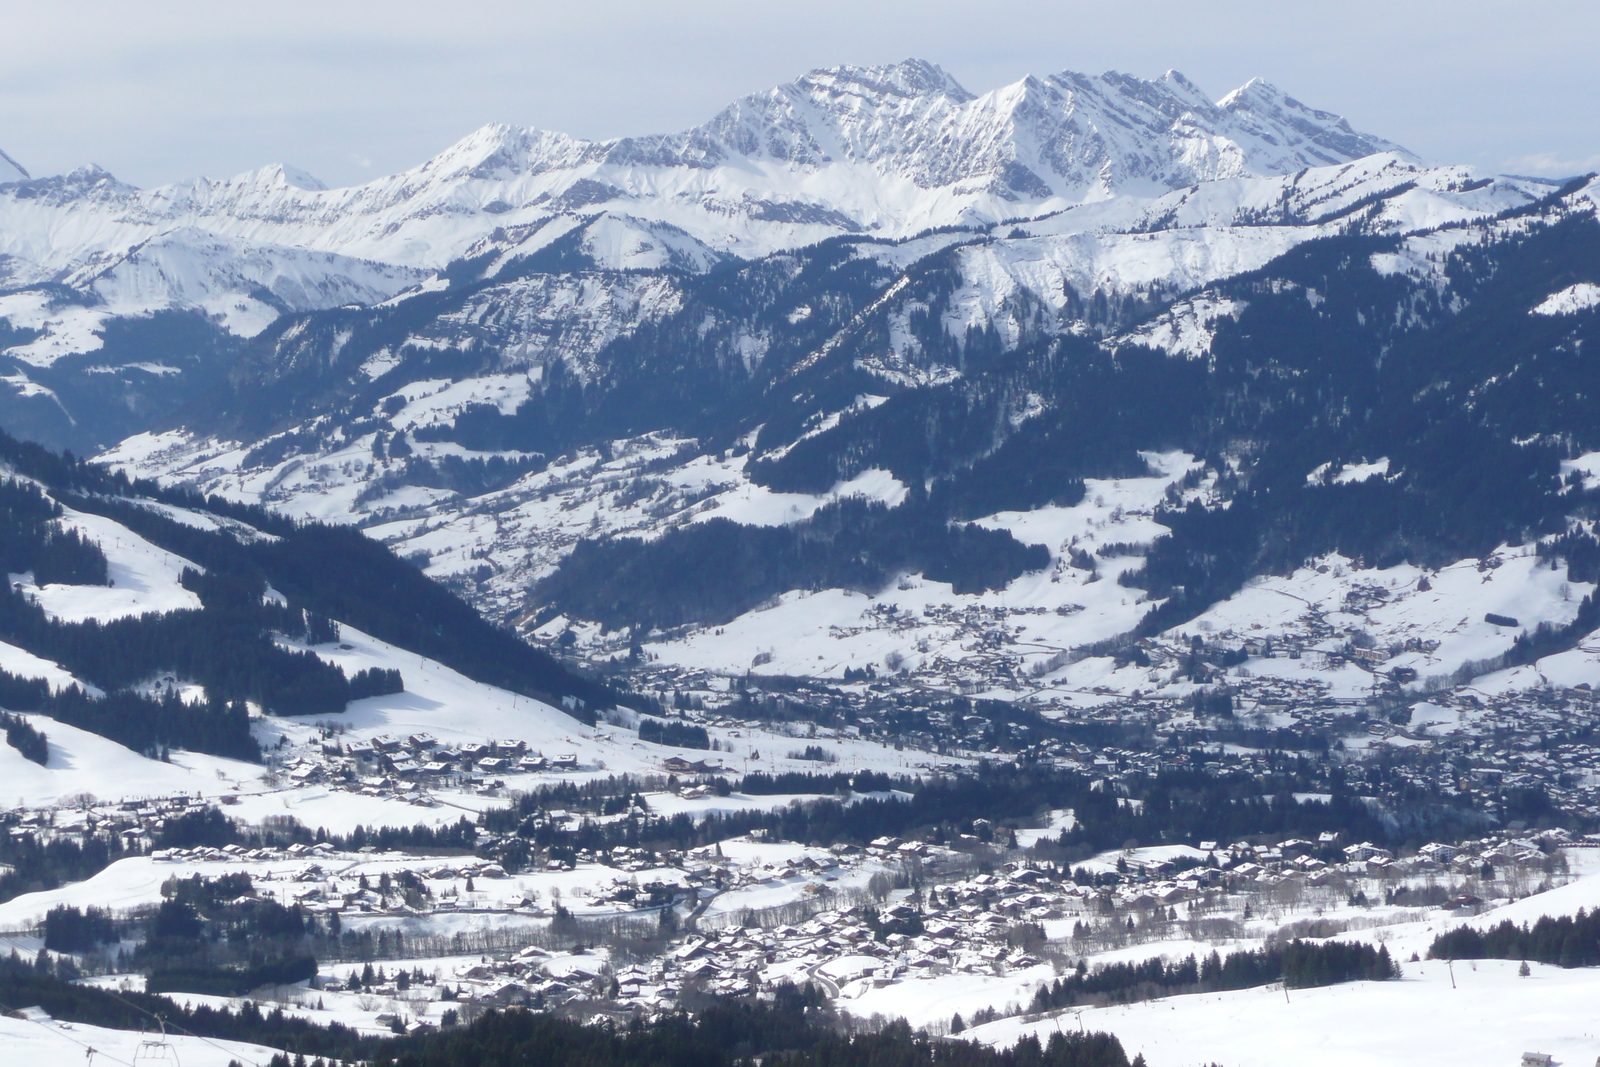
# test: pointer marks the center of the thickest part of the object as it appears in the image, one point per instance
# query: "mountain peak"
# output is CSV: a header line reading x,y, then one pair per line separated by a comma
x,y
294,177
888,150
908,78
280,176
1283,127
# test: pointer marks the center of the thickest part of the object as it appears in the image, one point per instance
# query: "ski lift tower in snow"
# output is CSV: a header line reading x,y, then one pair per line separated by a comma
x,y
157,1053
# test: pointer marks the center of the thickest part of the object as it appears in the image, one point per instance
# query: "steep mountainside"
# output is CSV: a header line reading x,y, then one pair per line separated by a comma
x,y
229,599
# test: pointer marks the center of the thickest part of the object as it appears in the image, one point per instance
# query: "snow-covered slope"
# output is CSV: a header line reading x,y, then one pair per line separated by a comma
x,y
47,1043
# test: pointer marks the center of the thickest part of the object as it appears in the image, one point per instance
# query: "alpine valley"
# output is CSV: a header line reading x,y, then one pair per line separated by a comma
x,y
884,553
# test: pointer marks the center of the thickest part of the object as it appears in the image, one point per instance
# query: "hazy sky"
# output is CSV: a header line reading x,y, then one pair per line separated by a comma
x,y
162,90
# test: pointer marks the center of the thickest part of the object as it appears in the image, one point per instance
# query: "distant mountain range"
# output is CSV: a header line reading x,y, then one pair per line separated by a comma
x,y
886,151
868,282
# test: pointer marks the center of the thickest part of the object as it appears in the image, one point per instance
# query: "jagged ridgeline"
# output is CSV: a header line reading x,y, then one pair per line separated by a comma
x,y
229,645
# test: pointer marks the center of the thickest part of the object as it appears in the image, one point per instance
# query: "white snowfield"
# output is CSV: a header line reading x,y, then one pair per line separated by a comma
x,y
1489,1018
85,763
1571,300
143,577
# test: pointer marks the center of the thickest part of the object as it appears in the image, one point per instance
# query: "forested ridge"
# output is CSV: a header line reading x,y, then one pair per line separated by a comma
x,y
1328,361
230,645
712,571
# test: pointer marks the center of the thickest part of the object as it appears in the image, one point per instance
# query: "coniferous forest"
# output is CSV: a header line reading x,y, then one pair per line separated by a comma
x,y
1562,940
711,572
232,644
1297,964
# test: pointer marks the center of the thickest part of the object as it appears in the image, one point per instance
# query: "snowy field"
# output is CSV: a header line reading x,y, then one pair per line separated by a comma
x,y
47,1043
82,763
1487,1019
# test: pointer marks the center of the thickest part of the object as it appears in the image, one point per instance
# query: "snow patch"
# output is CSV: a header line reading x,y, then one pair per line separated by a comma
x,y
1571,300
756,505
1349,474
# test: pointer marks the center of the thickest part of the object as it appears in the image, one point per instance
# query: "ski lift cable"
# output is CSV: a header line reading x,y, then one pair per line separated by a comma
x,y
89,1049
164,1022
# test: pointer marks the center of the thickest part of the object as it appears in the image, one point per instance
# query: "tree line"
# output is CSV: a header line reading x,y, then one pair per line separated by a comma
x,y
670,732
1177,806
1561,940
148,725
760,783
796,1028
1298,964
793,1031
33,539
22,736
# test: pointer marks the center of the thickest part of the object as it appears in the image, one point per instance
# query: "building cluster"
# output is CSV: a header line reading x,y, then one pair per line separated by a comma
x,y
135,823
410,767
1025,914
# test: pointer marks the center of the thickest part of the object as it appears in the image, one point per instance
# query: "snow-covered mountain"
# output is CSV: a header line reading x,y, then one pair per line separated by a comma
x,y
748,320
887,151
1088,426
122,308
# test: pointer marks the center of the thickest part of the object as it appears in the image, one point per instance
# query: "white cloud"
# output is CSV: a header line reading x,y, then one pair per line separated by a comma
x,y
1551,165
